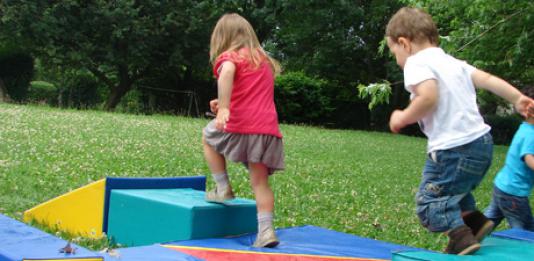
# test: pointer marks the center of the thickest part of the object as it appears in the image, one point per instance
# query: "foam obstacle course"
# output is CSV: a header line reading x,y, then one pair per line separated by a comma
x,y
167,219
141,211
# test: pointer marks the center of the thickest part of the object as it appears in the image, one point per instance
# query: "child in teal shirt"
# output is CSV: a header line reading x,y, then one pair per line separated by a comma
x,y
515,180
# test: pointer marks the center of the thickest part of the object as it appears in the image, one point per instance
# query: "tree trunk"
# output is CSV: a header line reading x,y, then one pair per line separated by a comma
x,y
125,84
4,96
116,95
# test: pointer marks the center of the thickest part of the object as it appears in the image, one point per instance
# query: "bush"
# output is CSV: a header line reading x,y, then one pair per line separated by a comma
x,y
81,90
16,71
302,99
131,102
41,91
503,128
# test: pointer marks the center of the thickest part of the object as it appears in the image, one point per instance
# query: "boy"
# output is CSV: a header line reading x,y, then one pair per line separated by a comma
x,y
460,147
514,182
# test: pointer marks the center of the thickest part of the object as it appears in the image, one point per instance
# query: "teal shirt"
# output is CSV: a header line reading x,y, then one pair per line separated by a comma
x,y
516,178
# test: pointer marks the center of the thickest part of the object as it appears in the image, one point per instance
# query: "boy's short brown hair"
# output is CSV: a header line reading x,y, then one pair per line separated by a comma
x,y
414,24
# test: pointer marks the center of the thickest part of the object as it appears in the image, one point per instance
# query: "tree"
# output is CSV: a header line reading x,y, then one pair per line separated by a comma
x,y
131,43
4,96
120,42
497,36
336,42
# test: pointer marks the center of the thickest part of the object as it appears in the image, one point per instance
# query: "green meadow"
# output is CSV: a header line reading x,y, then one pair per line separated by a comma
x,y
357,182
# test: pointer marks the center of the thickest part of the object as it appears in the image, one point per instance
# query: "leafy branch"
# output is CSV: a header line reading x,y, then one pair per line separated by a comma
x,y
378,92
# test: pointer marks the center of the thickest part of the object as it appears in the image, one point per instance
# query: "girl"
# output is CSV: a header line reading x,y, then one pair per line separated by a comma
x,y
246,126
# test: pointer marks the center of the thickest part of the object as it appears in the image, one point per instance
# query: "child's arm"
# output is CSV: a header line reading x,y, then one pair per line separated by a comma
x,y
529,160
523,104
425,101
224,90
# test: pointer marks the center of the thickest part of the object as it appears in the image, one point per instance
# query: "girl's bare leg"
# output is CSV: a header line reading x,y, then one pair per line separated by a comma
x,y
259,180
216,161
217,165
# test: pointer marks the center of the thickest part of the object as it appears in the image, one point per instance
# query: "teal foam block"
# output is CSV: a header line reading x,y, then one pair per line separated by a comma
x,y
493,248
147,216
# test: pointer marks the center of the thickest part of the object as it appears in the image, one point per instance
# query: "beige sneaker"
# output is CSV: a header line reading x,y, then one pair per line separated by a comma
x,y
216,196
266,238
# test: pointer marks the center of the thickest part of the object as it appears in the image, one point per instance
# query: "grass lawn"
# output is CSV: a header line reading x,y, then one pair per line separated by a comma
x,y
356,182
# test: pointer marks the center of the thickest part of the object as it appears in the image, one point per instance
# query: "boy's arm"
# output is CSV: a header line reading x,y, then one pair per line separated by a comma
x,y
529,160
425,101
500,87
224,91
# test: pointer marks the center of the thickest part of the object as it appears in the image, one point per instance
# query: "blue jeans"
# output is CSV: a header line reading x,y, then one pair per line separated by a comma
x,y
515,209
449,176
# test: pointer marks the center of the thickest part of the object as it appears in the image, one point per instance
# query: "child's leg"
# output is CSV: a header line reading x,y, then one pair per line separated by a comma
x,y
516,210
438,209
259,180
493,211
217,166
479,224
468,204
529,225
216,161
444,193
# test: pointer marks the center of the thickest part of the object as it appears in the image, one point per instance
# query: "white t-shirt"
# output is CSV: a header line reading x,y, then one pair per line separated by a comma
x,y
456,120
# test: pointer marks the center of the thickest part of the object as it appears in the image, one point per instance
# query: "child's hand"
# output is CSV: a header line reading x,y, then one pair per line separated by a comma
x,y
222,117
396,122
525,106
214,105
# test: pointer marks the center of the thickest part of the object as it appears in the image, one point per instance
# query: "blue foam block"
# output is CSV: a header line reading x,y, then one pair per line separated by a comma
x,y
147,216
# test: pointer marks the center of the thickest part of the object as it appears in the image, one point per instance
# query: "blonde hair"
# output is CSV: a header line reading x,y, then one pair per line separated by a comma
x,y
233,32
414,24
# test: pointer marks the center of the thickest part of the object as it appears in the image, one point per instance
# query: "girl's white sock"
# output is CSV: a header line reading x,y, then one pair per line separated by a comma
x,y
221,179
265,221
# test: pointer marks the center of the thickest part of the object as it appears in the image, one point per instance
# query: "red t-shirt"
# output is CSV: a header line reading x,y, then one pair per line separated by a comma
x,y
252,109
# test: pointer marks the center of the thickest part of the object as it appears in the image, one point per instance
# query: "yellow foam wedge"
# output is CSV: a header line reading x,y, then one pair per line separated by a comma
x,y
79,212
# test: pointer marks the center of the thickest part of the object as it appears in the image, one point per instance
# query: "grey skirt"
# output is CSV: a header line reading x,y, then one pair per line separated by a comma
x,y
245,148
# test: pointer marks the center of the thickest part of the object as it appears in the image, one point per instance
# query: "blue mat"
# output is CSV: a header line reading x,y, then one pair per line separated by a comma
x,y
145,253
19,241
306,240
517,234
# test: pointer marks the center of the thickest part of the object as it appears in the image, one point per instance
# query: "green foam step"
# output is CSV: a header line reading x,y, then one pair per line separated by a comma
x,y
147,216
